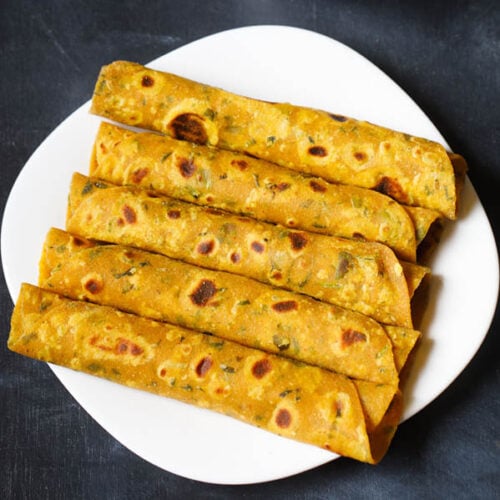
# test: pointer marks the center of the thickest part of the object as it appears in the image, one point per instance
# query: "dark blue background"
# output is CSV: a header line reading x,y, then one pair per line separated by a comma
x,y
445,54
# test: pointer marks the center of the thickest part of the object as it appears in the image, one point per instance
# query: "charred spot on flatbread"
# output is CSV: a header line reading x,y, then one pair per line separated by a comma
x,y
187,167
125,346
360,156
129,214
261,368
298,241
241,164
317,187
317,151
174,214
257,246
189,127
203,366
350,337
283,418
138,175
93,285
202,294
285,306
147,81
206,247
391,187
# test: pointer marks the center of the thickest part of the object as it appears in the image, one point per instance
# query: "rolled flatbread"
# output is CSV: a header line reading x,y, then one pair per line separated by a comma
x,y
291,399
365,277
411,170
248,186
227,305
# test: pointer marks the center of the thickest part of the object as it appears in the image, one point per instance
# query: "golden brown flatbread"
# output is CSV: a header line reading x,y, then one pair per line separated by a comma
x,y
365,277
227,305
411,170
248,186
291,399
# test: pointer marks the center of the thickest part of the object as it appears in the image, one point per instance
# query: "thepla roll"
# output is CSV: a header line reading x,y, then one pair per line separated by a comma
x,y
227,305
248,186
294,400
361,276
411,170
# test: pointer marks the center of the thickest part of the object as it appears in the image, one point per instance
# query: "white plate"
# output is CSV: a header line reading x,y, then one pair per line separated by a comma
x,y
277,64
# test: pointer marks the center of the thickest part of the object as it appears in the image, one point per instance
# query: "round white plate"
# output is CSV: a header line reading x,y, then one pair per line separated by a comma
x,y
274,63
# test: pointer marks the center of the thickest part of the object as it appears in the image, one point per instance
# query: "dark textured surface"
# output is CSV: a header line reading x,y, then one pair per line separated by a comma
x,y
446,55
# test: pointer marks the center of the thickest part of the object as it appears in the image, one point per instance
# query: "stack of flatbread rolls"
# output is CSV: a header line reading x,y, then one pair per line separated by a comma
x,y
257,259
